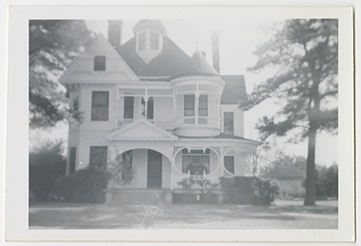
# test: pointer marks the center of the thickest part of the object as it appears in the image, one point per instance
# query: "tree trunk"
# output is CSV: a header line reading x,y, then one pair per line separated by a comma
x,y
310,198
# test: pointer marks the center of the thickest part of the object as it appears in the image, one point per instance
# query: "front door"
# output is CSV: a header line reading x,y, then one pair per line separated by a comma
x,y
154,170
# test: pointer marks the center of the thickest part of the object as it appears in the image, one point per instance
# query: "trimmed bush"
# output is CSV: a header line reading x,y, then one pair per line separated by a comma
x,y
248,190
86,185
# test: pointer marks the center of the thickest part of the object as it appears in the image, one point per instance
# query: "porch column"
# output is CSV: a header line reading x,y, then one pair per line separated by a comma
x,y
222,160
196,98
145,107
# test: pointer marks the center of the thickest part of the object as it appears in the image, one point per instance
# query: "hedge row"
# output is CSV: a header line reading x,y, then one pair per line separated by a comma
x,y
86,185
248,190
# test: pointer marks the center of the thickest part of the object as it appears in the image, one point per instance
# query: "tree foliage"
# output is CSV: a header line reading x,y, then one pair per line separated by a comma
x,y
46,164
304,55
53,45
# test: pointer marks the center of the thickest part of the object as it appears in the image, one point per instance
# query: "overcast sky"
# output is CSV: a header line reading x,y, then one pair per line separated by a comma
x,y
238,39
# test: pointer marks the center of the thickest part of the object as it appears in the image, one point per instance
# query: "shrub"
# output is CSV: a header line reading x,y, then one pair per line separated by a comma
x,y
86,185
45,166
248,190
206,187
326,182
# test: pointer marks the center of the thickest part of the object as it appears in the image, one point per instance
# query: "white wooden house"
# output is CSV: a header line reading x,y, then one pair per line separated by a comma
x,y
173,115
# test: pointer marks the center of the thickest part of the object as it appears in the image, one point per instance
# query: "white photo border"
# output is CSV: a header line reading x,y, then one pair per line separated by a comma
x,y
17,202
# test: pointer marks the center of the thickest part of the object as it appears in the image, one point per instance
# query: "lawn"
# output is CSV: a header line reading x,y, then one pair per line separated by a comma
x,y
282,215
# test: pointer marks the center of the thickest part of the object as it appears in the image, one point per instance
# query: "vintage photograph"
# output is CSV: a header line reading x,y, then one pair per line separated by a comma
x,y
157,124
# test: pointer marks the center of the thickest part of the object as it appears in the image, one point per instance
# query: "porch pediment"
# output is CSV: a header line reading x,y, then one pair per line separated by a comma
x,y
141,130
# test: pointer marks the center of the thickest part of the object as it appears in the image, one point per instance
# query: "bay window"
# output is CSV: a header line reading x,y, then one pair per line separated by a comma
x,y
196,162
203,105
189,105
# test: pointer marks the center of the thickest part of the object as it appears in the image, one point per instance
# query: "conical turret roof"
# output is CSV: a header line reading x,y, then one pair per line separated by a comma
x,y
197,65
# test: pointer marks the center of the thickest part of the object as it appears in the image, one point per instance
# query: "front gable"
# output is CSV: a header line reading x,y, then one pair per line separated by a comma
x,y
82,69
141,130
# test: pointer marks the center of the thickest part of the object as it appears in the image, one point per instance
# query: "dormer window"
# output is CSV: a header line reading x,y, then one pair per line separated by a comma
x,y
154,40
99,63
141,40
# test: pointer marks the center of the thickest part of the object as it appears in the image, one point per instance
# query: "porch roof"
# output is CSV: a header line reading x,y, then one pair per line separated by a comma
x,y
141,130
221,136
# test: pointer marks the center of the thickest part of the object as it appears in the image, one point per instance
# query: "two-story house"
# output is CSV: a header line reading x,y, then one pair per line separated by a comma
x,y
173,116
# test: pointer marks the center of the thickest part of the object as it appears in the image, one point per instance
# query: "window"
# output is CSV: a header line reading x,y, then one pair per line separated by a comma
x,y
128,107
99,63
229,163
141,40
203,105
100,106
228,123
154,40
72,160
196,162
150,108
188,105
98,156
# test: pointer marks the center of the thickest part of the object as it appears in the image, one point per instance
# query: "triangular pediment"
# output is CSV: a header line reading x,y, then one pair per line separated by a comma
x,y
141,130
82,69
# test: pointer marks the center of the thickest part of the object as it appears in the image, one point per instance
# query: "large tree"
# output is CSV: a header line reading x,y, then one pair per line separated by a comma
x,y
53,44
303,53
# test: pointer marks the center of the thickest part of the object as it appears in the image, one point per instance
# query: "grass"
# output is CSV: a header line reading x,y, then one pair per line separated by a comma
x,y
283,215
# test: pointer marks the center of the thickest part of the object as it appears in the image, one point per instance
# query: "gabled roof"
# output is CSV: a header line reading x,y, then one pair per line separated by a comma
x,y
82,71
141,130
234,89
196,65
166,64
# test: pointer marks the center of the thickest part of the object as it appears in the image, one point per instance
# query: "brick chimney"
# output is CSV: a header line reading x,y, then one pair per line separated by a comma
x,y
215,49
115,32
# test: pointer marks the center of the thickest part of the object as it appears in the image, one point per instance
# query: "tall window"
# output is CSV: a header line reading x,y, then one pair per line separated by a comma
x,y
72,159
100,106
98,156
150,108
229,163
154,40
128,107
203,105
141,40
188,105
99,63
228,123
196,162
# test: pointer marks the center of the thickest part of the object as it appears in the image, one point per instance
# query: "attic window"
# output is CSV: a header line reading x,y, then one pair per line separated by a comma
x,y
154,40
141,40
99,63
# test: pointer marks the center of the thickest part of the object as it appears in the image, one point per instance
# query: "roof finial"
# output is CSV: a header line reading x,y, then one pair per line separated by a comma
x,y
197,39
